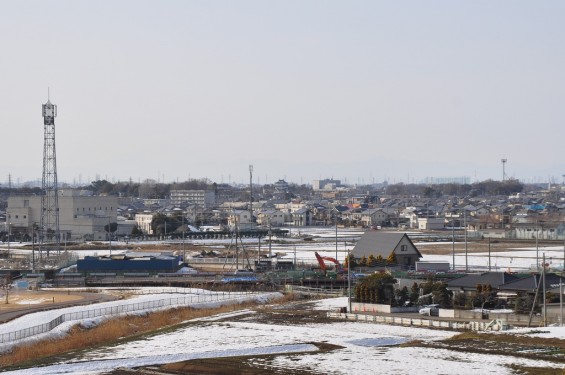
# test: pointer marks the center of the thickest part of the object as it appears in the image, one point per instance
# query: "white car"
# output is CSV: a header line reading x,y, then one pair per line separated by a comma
x,y
430,310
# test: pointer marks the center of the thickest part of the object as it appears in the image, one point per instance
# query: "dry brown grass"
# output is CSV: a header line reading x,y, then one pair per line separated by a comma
x,y
107,332
510,338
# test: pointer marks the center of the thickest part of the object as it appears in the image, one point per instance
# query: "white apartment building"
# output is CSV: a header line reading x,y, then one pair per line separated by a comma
x,y
327,184
203,198
143,222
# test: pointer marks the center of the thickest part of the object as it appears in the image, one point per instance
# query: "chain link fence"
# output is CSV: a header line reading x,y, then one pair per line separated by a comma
x,y
122,309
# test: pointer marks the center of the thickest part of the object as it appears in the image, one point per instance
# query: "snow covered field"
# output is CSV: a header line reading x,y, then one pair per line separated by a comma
x,y
366,347
324,242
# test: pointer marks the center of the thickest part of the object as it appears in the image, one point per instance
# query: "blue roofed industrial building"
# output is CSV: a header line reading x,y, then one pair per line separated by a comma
x,y
152,263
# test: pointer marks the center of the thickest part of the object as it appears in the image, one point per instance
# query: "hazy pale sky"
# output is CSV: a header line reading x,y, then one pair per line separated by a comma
x,y
355,90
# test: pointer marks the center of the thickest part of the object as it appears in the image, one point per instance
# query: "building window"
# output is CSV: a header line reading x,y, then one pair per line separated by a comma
x,y
403,247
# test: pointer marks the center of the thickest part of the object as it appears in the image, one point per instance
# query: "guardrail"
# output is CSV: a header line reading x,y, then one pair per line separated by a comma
x,y
418,322
315,291
118,310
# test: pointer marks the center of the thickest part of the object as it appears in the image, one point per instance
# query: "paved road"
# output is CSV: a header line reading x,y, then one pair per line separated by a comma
x,y
88,299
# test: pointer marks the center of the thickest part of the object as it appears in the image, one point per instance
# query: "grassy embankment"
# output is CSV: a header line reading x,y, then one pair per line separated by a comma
x,y
110,331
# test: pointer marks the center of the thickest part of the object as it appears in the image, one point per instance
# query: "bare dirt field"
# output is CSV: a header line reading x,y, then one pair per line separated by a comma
x,y
17,298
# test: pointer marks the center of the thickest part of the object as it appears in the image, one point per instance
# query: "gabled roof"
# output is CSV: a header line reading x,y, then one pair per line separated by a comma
x,y
379,243
530,283
494,279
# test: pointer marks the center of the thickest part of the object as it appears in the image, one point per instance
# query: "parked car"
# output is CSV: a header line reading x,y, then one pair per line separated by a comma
x,y
429,310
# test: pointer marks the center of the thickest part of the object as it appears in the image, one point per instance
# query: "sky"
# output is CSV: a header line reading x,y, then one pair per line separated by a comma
x,y
361,91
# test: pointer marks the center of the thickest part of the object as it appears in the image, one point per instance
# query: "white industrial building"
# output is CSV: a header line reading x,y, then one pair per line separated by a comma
x,y
82,216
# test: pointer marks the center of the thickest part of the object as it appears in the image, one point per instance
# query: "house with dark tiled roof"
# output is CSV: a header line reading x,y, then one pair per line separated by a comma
x,y
468,284
385,243
530,284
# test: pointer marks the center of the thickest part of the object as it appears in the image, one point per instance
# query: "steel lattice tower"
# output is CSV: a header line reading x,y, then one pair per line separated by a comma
x,y
49,224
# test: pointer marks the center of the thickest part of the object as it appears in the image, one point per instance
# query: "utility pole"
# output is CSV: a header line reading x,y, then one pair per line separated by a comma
x,y
348,280
251,193
489,254
109,234
9,234
183,250
336,211
453,241
537,248
33,247
544,296
465,225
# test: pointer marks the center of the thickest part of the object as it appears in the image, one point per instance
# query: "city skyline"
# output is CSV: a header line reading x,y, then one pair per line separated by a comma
x,y
362,91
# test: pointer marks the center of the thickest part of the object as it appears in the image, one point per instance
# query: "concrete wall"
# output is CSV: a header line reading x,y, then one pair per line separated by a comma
x,y
446,313
512,318
378,308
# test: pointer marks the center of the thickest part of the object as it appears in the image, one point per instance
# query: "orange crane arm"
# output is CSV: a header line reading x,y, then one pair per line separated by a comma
x,y
320,261
323,264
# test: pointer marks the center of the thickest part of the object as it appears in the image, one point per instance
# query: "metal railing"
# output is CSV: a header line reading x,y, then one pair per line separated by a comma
x,y
119,310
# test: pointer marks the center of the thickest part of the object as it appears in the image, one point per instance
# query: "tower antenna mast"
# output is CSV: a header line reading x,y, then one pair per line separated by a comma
x,y
49,221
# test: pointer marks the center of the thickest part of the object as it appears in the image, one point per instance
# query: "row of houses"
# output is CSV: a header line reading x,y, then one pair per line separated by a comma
x,y
83,216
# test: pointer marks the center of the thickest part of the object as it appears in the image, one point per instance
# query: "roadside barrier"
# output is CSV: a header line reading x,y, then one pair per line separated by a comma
x,y
122,309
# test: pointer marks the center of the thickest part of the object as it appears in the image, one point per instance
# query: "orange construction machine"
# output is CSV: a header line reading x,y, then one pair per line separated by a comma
x,y
323,267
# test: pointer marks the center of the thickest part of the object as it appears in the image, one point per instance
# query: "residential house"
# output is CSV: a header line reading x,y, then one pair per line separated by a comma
x,y
373,217
241,218
271,217
302,217
384,244
468,284
432,223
